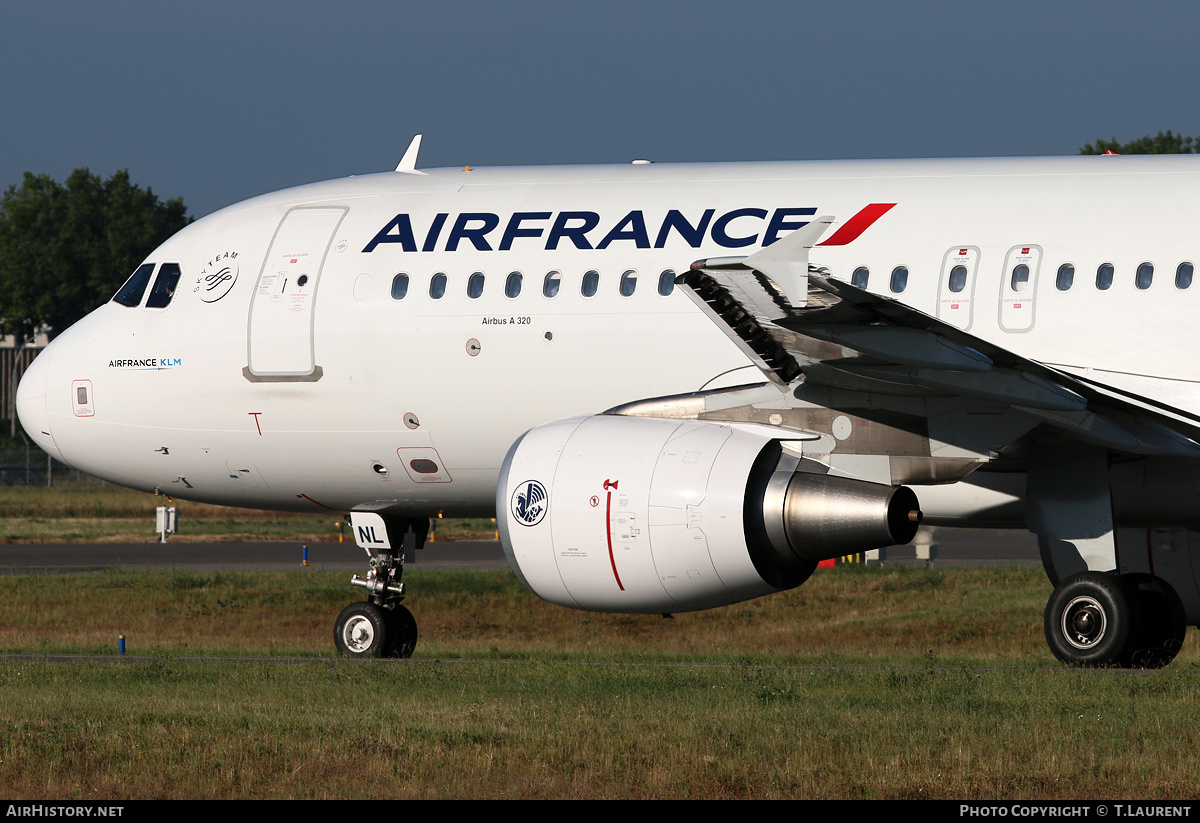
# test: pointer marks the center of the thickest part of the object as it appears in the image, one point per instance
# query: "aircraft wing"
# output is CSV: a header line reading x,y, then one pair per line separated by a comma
x,y
844,337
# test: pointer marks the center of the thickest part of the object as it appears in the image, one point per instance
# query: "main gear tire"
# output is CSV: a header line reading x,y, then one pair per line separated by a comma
x,y
1162,624
1092,620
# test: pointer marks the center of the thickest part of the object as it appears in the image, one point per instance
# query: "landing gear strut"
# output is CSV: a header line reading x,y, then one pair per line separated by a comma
x,y
381,626
1096,619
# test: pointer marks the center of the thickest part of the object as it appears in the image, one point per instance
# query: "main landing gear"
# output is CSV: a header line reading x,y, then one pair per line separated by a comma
x,y
381,626
1097,619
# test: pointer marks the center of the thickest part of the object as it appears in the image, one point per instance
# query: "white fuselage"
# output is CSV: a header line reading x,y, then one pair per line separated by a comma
x,y
250,390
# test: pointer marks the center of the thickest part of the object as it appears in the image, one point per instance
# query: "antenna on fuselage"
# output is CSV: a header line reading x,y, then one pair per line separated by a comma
x,y
408,163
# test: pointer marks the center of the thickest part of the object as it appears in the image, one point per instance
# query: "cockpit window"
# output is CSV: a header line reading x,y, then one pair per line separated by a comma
x,y
164,286
135,287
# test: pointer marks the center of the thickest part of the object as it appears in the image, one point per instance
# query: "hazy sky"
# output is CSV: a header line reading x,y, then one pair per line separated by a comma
x,y
217,101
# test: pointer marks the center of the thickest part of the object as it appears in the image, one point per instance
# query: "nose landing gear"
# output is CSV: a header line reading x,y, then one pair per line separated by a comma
x,y
381,626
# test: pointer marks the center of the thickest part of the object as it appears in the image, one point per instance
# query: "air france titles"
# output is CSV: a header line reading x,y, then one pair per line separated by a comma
x,y
155,363
733,229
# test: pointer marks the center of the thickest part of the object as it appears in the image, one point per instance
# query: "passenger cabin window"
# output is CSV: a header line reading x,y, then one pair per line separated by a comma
x,y
958,279
164,286
135,287
512,286
475,285
591,282
437,286
1145,276
1020,278
399,286
899,279
628,283
666,283
860,278
1183,276
1104,276
551,284
1065,278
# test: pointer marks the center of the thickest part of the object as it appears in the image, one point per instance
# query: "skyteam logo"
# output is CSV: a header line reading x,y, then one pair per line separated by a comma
x,y
529,503
217,277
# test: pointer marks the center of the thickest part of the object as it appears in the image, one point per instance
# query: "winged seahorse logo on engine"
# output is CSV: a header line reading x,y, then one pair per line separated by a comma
x,y
529,503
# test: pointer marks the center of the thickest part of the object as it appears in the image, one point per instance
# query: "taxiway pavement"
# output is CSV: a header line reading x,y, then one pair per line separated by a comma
x,y
954,547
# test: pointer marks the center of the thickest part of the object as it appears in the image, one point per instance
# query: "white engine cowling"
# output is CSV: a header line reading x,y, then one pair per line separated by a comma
x,y
645,515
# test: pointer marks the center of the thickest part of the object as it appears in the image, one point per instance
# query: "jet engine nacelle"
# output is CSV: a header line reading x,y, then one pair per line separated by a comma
x,y
645,515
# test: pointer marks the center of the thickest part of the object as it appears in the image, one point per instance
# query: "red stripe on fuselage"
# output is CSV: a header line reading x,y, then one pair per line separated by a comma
x,y
857,224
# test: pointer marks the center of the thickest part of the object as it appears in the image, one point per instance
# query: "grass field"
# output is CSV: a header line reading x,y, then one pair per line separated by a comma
x,y
864,683
103,513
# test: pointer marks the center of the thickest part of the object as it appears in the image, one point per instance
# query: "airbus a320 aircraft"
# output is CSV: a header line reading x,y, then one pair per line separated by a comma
x,y
797,360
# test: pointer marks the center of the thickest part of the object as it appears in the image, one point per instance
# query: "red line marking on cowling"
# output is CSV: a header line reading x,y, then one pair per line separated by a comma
x,y
256,424
857,224
310,500
608,533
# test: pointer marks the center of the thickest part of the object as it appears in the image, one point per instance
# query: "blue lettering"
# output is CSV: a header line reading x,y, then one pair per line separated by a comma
x,y
779,223
721,236
434,230
636,231
514,230
574,226
403,234
460,231
575,234
366,534
694,235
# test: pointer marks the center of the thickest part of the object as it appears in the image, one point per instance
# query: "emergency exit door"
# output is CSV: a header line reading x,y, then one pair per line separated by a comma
x,y
956,288
1018,287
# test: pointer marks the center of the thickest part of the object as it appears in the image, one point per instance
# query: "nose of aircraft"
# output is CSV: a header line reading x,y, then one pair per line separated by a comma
x,y
31,404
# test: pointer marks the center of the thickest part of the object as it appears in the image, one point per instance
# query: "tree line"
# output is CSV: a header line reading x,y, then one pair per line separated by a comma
x,y
1165,142
66,248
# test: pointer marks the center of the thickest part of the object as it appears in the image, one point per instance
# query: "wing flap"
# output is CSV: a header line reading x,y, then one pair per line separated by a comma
x,y
844,337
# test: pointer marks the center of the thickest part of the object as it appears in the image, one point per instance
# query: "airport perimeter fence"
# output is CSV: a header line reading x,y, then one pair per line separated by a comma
x,y
30,466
